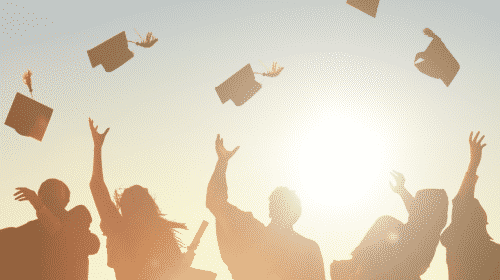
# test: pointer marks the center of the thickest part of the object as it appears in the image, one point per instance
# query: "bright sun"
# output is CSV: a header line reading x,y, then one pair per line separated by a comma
x,y
340,159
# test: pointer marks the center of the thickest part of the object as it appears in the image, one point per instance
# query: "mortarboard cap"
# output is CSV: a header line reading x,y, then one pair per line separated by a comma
x,y
28,117
438,62
366,6
239,87
112,53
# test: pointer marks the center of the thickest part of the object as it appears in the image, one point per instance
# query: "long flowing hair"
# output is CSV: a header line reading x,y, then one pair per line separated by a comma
x,y
143,211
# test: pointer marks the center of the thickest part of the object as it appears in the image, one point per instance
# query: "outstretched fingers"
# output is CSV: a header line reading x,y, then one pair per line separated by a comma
x,y
93,128
474,142
475,137
399,174
234,151
20,190
105,132
480,139
22,194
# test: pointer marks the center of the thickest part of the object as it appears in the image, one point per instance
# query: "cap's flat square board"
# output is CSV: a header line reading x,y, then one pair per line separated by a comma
x,y
29,117
366,6
240,87
112,53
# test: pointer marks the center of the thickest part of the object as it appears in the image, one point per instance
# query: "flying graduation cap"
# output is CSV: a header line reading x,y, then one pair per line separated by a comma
x,y
438,62
112,53
366,6
239,87
27,116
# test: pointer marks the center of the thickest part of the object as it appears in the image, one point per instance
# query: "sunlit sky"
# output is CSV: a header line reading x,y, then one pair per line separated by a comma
x,y
348,108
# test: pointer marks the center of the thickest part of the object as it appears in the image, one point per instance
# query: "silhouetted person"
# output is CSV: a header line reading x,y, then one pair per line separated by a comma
x,y
78,225
48,248
394,250
251,250
141,243
470,252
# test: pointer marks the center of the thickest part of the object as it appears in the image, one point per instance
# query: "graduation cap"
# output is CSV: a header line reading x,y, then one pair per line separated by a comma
x,y
239,87
366,6
437,62
112,53
28,117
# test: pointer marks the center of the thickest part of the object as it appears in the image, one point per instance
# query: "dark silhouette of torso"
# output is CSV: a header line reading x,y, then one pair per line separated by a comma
x,y
253,251
394,250
31,253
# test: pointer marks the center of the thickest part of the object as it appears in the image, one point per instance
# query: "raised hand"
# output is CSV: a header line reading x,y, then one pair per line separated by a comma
x,y
400,182
26,194
476,149
98,137
221,151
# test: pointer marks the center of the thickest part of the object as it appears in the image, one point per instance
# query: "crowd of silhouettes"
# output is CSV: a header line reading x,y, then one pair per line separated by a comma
x,y
141,244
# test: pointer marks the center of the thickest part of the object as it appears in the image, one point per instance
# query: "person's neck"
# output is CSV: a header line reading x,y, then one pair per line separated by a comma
x,y
281,227
58,212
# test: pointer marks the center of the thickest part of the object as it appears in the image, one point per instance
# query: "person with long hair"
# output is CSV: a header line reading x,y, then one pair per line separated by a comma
x,y
470,252
394,250
141,243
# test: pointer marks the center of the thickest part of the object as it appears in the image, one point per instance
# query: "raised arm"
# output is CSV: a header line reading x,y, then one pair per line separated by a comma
x,y
469,182
400,189
48,220
105,207
217,187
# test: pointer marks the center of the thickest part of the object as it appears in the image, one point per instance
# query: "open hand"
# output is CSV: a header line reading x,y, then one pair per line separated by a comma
x,y
476,149
98,137
221,151
26,194
400,182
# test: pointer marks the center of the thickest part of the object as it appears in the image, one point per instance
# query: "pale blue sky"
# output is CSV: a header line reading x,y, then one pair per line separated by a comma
x,y
341,66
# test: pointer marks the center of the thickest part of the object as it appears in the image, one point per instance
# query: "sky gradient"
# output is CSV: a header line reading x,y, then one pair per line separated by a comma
x,y
348,86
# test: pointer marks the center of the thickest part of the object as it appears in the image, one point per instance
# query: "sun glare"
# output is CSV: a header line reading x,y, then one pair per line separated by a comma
x,y
340,160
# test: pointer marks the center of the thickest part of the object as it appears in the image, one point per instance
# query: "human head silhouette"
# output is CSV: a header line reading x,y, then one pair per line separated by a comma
x,y
55,195
84,217
137,205
430,209
284,207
